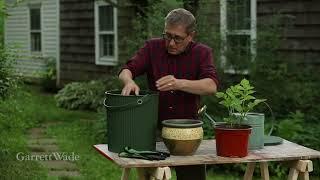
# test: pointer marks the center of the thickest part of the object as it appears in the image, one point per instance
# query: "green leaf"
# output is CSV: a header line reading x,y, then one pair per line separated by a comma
x,y
219,94
239,99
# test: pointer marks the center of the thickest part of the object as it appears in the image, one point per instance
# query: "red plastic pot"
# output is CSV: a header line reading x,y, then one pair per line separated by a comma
x,y
232,141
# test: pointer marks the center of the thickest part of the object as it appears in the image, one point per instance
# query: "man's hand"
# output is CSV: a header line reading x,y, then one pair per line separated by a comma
x,y
168,83
130,87
204,86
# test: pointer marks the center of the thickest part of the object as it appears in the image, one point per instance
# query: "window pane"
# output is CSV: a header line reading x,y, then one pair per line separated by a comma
x,y
36,41
106,45
35,20
238,14
238,53
106,18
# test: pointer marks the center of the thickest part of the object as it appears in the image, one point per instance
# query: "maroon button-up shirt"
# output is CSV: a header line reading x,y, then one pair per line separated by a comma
x,y
195,63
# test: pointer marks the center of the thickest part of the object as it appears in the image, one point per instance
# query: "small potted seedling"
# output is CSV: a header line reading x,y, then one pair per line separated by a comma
x,y
232,137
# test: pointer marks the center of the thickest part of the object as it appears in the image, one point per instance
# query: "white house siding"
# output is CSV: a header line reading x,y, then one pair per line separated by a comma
x,y
17,34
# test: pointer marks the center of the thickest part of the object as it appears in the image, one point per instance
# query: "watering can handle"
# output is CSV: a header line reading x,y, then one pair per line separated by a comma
x,y
138,102
272,118
213,122
203,111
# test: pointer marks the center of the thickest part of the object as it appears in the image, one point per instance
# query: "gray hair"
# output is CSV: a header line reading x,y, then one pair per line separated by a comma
x,y
183,17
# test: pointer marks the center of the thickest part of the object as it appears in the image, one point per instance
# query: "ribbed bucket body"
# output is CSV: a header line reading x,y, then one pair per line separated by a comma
x,y
256,121
131,120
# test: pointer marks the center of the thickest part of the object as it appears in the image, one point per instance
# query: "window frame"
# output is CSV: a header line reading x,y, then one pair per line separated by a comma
x,y
36,5
105,60
224,31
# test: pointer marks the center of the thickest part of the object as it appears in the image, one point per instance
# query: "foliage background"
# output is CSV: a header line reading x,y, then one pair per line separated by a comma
x,y
290,86
291,91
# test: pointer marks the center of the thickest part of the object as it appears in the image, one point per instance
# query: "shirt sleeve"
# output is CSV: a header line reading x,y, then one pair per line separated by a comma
x,y
139,63
207,68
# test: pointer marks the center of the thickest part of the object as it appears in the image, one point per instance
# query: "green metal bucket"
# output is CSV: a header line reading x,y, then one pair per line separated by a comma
x,y
256,138
131,120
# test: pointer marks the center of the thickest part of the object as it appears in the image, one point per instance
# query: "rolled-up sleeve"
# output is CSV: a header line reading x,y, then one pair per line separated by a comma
x,y
207,68
139,63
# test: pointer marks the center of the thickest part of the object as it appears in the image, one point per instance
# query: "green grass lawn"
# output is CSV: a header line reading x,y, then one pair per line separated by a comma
x,y
75,131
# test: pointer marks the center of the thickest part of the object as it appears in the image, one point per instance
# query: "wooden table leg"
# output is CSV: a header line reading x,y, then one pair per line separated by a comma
x,y
264,170
304,176
167,173
161,173
125,173
293,174
249,171
143,173
302,167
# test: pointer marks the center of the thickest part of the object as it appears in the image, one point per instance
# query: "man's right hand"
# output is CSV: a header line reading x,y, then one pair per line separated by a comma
x,y
130,87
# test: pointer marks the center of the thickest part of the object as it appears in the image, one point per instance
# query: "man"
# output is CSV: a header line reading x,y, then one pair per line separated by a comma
x,y
180,69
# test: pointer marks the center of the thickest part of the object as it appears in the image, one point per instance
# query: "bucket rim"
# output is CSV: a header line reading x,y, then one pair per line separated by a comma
x,y
117,92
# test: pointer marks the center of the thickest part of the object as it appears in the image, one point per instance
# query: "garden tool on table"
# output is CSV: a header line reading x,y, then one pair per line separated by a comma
x,y
147,155
268,139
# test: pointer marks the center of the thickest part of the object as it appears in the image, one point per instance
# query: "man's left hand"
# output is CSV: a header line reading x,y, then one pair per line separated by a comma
x,y
167,83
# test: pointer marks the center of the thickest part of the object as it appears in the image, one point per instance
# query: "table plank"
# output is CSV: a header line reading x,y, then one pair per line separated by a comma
x,y
206,154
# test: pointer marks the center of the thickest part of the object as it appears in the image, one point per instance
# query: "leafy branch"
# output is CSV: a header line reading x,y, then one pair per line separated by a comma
x,y
239,100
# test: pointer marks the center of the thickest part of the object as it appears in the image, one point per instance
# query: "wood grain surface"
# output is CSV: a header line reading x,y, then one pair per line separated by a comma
x,y
206,154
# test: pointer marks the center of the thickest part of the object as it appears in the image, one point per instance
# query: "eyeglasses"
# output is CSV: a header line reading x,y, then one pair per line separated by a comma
x,y
177,39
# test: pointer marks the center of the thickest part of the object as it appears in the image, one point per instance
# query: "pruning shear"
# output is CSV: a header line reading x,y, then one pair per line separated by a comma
x,y
147,155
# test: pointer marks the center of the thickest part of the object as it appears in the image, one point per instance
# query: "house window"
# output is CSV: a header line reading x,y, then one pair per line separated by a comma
x,y
35,29
238,34
106,34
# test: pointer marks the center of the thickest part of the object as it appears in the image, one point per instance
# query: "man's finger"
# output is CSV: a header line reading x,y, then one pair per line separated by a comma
x,y
165,87
123,92
136,91
164,78
164,82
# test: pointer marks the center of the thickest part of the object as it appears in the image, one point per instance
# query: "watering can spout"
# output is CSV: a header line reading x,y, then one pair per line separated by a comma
x,y
202,111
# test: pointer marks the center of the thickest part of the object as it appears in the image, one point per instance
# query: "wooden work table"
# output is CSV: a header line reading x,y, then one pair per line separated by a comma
x,y
206,154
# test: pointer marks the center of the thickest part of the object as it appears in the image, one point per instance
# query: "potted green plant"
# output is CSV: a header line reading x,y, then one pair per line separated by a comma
x,y
232,137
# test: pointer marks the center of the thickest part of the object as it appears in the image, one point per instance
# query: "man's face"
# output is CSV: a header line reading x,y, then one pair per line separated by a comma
x,y
177,38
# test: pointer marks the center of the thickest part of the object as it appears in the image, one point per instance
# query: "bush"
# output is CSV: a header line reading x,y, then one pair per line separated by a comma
x,y
49,77
85,95
8,82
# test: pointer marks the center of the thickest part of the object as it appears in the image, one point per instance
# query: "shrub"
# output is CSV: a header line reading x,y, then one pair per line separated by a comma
x,y
49,77
8,82
85,95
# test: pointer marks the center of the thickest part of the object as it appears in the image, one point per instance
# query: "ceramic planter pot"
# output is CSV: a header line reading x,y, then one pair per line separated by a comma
x,y
232,141
182,137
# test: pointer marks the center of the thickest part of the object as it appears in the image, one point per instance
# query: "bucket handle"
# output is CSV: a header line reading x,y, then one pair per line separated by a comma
x,y
138,102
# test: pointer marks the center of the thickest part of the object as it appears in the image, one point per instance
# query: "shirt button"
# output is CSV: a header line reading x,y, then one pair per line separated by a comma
x,y
170,107
171,92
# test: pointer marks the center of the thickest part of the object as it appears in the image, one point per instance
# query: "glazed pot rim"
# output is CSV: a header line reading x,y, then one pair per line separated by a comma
x,y
182,123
